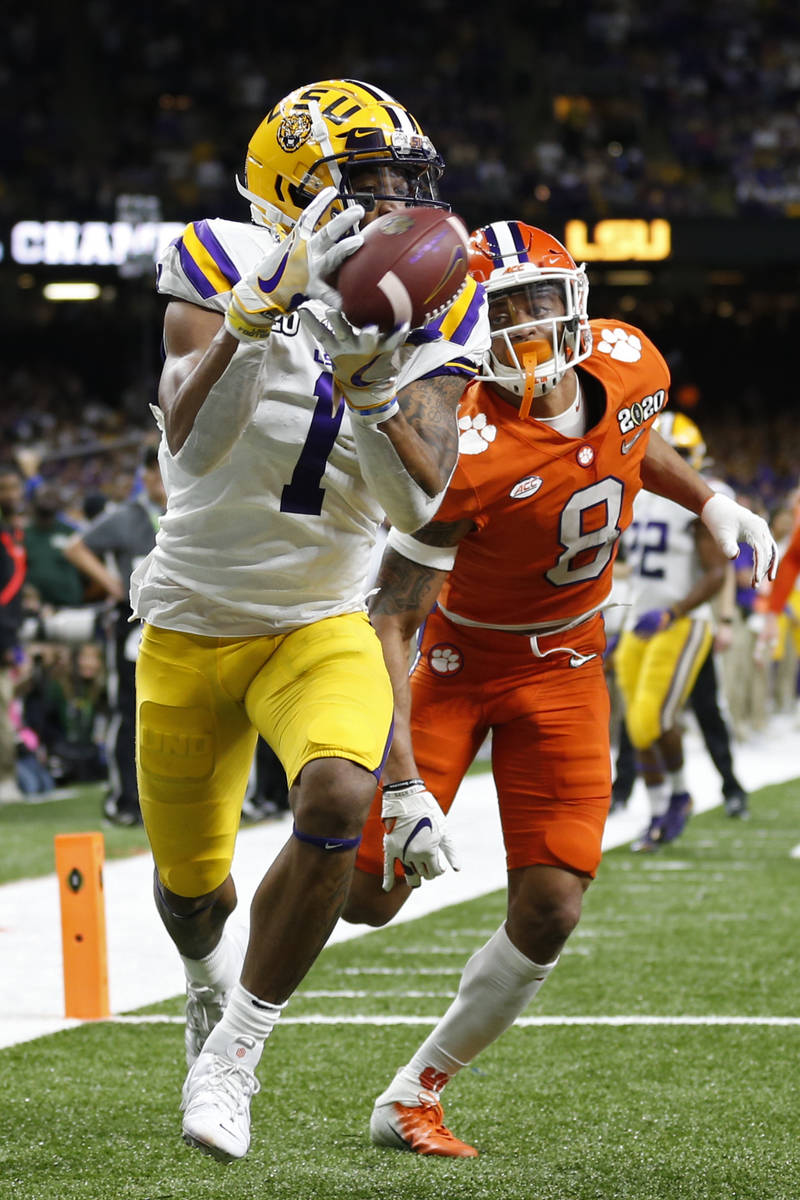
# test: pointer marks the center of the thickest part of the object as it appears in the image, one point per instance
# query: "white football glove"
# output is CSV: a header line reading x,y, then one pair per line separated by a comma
x,y
294,270
363,370
730,523
415,834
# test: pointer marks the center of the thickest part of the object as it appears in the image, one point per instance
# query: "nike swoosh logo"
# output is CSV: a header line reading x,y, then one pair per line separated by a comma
x,y
631,442
423,823
578,660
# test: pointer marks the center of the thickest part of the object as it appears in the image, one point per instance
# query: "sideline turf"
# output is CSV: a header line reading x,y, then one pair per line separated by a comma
x,y
27,831
707,927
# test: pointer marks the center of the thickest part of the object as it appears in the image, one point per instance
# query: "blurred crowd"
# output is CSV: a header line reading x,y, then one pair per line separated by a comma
x,y
68,648
675,109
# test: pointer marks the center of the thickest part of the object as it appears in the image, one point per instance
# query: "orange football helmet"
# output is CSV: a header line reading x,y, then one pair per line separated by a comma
x,y
537,307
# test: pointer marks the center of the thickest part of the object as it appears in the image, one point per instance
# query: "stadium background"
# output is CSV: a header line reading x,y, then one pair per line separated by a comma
x,y
552,112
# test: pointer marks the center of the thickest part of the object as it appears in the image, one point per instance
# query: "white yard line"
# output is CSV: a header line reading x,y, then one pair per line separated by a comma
x,y
524,1022
143,965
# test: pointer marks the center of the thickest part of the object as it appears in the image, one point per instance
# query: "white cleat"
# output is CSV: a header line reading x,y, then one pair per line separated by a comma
x,y
204,1008
216,1106
205,1005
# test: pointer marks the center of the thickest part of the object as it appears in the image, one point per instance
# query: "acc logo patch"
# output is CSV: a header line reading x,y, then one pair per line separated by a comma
x,y
528,486
294,130
445,659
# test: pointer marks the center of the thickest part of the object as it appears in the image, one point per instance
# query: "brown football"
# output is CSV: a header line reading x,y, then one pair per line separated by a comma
x,y
412,264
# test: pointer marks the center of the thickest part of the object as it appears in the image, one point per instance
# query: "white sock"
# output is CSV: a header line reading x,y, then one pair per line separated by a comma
x,y
677,781
658,797
498,982
246,1024
220,968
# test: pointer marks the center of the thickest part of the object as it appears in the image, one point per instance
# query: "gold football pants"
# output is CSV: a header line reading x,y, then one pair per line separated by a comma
x,y
319,692
656,675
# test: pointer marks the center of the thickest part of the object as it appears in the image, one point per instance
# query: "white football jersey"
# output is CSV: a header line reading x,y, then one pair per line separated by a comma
x,y
660,547
280,534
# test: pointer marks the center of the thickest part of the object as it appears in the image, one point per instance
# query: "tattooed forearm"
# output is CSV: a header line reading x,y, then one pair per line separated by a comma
x,y
430,406
405,587
443,533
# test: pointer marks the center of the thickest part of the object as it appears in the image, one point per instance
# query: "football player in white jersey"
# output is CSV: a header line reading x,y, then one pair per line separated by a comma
x,y
677,568
287,437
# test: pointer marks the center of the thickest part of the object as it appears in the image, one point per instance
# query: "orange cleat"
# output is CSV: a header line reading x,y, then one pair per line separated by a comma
x,y
420,1129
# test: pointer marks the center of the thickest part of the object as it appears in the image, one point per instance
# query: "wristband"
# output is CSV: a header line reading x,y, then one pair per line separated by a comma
x,y
438,558
247,330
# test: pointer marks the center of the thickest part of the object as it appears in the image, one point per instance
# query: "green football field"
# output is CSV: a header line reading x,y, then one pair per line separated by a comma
x,y
660,1060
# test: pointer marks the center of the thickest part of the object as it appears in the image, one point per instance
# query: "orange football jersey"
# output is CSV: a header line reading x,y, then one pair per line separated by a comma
x,y
549,510
787,573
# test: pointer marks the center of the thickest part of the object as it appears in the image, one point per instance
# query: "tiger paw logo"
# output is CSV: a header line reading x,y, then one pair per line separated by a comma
x,y
475,434
622,346
445,659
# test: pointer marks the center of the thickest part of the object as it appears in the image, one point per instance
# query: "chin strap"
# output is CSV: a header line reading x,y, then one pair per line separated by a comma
x,y
262,212
529,361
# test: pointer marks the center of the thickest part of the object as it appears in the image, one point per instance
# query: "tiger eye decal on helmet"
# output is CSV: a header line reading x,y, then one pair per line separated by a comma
x,y
322,133
537,307
293,131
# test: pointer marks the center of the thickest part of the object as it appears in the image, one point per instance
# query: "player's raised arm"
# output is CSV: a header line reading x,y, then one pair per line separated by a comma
x,y
407,442
667,474
201,344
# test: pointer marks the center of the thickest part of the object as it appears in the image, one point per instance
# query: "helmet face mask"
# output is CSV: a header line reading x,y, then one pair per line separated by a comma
x,y
326,135
369,180
537,308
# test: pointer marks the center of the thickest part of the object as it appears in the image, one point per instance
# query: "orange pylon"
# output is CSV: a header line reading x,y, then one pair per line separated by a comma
x,y
79,866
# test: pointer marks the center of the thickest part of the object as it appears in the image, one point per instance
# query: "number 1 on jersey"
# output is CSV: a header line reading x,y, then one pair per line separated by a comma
x,y
304,493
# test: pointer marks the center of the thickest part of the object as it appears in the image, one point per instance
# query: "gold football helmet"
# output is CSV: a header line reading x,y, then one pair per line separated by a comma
x,y
316,135
684,436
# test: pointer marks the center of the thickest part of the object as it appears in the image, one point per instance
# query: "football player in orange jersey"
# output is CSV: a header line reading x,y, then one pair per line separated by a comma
x,y
556,440
778,600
